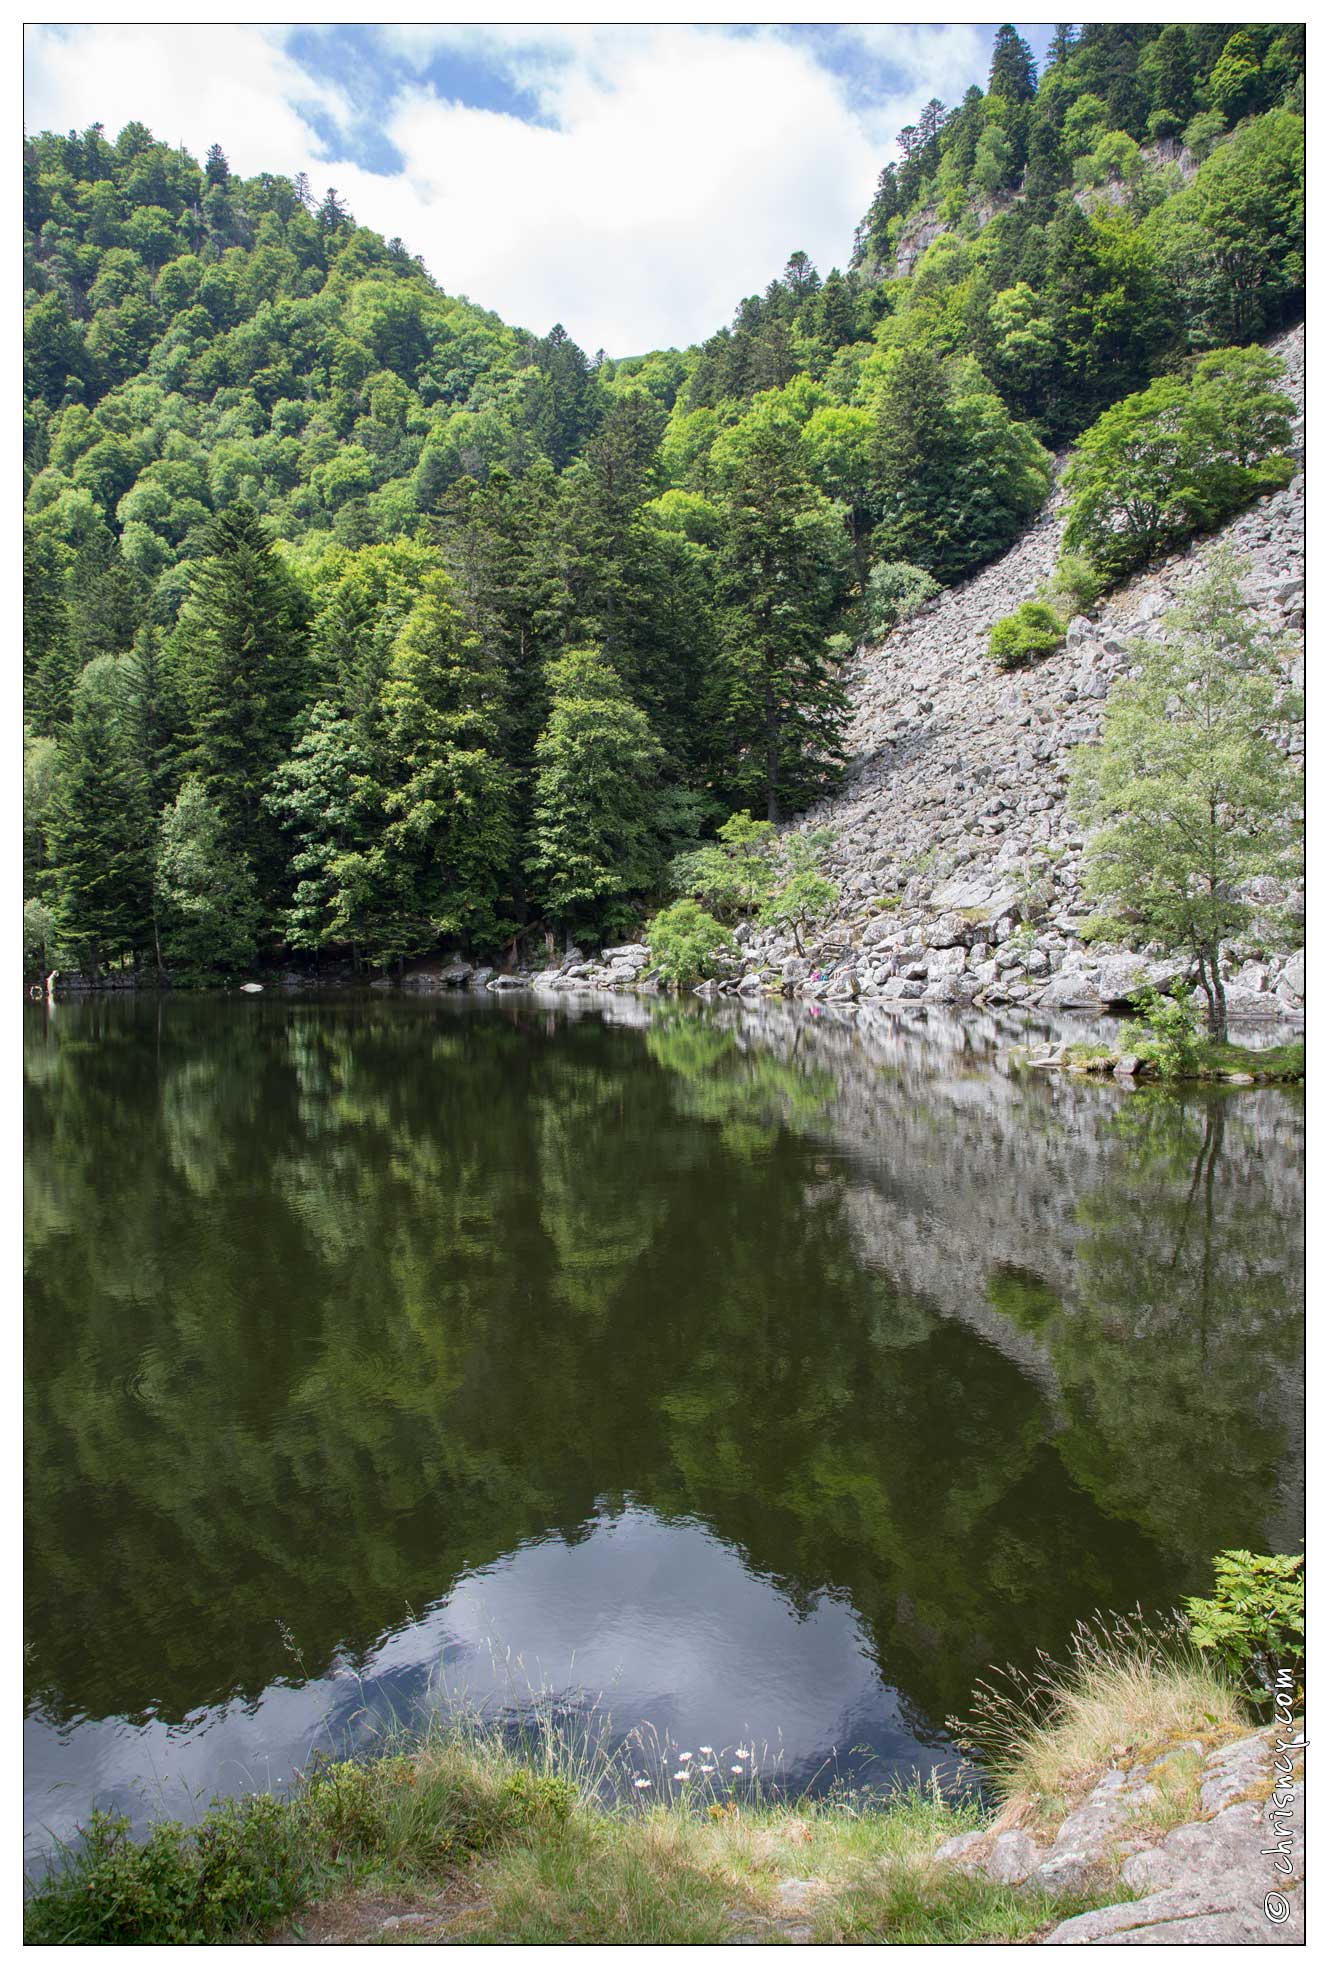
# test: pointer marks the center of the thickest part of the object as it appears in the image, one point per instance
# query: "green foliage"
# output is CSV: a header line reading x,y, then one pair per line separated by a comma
x,y
594,842
807,893
1177,459
895,591
732,875
1256,1621
1075,585
227,1878
251,427
1033,629
1166,1033
687,944
1189,796
38,936
205,888
98,827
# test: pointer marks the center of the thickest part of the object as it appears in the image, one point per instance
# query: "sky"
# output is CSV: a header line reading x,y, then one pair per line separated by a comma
x,y
632,182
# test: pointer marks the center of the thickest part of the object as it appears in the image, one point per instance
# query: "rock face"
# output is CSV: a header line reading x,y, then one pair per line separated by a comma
x,y
953,829
1234,1874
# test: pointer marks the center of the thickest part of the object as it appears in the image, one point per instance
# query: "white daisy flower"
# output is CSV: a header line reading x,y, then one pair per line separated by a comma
x,y
642,1784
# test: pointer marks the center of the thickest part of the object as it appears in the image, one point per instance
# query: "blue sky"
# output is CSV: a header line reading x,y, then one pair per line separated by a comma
x,y
632,181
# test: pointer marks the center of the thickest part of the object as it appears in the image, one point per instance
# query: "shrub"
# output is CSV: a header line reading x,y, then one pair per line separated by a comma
x,y
1256,1621
1075,585
687,944
895,591
1167,1033
234,1873
1035,629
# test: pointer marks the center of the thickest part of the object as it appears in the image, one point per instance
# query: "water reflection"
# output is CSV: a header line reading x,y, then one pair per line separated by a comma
x,y
704,1355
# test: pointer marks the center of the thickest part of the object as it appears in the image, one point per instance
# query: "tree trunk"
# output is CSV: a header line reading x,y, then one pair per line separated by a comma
x,y
772,758
1211,979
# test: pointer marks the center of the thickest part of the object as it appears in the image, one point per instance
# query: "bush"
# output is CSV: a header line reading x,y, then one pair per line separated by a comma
x,y
687,944
1256,1621
895,591
1035,629
1167,1033
235,1873
1075,585
1177,459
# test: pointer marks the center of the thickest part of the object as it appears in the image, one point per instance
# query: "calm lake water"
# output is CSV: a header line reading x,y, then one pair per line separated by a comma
x,y
751,1377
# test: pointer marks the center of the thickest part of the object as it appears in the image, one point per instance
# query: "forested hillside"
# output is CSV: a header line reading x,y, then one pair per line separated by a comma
x,y
357,620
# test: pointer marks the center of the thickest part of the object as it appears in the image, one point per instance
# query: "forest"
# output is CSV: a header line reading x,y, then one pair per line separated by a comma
x,y
361,623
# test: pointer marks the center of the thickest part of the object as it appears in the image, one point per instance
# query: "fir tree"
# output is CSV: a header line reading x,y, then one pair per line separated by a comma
x,y
783,565
242,652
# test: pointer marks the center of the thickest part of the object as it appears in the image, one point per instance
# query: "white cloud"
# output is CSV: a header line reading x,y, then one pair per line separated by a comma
x,y
674,170
235,86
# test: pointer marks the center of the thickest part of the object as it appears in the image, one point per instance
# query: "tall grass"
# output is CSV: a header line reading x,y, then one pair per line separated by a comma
x,y
1129,1686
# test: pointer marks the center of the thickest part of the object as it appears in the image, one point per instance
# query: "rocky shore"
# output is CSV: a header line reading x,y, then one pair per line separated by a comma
x,y
1232,1870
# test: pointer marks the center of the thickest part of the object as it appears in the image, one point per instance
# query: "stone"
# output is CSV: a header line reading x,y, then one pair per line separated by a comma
x,y
251,987
1120,979
946,930
1013,1858
954,1849
1232,1771
1069,990
506,982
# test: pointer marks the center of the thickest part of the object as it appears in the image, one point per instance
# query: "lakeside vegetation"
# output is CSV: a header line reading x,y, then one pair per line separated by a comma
x,y
335,584
484,1840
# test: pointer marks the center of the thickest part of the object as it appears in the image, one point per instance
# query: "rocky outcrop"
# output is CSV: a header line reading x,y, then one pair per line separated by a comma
x,y
1234,1872
958,859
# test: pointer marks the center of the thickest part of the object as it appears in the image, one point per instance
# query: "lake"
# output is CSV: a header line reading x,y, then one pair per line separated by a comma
x,y
741,1376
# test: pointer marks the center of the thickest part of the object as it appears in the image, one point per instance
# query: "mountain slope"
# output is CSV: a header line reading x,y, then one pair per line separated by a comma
x,y
955,799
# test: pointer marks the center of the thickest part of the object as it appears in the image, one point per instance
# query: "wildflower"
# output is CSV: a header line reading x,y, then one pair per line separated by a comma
x,y
742,1753
706,1750
684,1756
642,1784
737,1770
680,1777
708,1768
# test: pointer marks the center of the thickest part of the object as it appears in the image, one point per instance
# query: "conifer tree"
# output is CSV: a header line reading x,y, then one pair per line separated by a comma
x,y
1014,72
783,564
242,652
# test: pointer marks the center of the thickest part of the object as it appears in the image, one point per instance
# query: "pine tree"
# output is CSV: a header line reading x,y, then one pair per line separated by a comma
x,y
594,844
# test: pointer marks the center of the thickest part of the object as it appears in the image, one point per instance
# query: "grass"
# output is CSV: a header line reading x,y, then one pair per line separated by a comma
x,y
467,1837
1266,1062
1129,1691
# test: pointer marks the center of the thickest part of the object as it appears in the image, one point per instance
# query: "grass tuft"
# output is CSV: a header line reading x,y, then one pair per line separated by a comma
x,y
1130,1689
